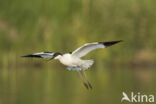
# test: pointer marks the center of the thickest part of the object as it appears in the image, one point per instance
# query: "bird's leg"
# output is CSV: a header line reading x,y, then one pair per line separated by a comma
x,y
85,75
82,78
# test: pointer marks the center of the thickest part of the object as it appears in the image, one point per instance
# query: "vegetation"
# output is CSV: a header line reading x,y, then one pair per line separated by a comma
x,y
51,25
28,26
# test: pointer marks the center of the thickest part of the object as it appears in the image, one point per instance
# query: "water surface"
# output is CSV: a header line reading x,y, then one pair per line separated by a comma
x,y
60,86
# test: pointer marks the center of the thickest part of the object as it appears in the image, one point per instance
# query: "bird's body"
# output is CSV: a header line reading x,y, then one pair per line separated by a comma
x,y
74,63
73,60
69,60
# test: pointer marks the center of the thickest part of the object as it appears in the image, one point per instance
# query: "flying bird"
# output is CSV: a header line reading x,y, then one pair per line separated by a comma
x,y
73,59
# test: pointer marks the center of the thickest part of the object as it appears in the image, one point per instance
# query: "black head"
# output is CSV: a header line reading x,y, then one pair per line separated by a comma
x,y
56,54
70,52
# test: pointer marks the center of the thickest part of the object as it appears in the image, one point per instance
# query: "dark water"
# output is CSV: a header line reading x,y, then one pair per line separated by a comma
x,y
60,86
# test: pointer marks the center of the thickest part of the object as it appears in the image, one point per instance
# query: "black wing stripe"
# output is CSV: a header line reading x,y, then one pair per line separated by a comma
x,y
36,56
107,44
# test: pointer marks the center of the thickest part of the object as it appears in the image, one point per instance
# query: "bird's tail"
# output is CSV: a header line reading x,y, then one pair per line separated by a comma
x,y
87,64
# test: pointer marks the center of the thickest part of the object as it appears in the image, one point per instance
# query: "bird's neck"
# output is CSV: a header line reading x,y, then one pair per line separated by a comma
x,y
58,57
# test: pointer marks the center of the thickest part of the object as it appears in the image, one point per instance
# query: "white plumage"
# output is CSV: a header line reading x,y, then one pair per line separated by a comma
x,y
82,51
73,60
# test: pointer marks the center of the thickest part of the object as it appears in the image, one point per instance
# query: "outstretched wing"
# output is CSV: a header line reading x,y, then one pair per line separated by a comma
x,y
82,51
41,55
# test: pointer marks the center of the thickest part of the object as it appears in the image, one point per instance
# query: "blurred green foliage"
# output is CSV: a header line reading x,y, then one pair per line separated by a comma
x,y
54,86
28,26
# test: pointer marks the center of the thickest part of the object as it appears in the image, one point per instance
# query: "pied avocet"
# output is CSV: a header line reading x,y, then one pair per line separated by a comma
x,y
73,59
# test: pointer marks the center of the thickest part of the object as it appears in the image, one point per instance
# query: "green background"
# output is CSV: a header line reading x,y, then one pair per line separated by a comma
x,y
29,26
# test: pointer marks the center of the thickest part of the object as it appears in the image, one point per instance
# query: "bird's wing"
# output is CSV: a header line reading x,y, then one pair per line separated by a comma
x,y
82,51
41,55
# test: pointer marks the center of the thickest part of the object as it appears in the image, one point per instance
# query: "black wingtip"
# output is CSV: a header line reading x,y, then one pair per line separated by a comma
x,y
107,44
35,56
